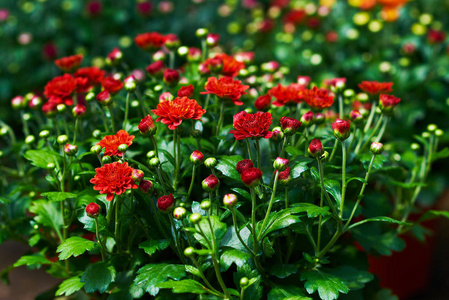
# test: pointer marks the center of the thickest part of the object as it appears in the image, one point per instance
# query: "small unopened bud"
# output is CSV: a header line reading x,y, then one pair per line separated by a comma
x,y
30,139
439,132
280,164
70,149
79,111
230,200
315,148
307,119
130,83
95,149
4,131
356,116
348,93
146,186
251,177
62,139
196,157
210,162
290,125
425,134
93,210
90,96
415,146
171,77
147,126
341,129
320,118
151,154
18,102
96,133
205,205
183,51
212,40
201,32
189,252
377,148
154,162
244,282
432,127
179,213
51,166
277,135
165,203
44,134
106,159
61,108
195,218
137,175
210,183
104,98
122,148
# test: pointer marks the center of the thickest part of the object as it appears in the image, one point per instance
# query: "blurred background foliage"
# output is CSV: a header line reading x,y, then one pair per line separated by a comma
x,y
384,40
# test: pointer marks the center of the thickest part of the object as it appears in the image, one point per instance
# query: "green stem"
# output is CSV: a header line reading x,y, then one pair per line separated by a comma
x,y
206,104
111,113
153,140
334,149
258,153
284,141
171,55
237,232
371,117
220,120
191,183
360,196
125,120
360,149
248,146
75,130
382,130
117,224
213,290
97,233
318,246
270,205
323,188
343,178
340,105
175,235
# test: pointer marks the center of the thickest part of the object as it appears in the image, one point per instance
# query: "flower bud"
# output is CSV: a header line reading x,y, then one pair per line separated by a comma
x,y
189,251
415,146
171,77
146,186
277,135
50,166
61,108
93,210
167,96
210,183
210,162
122,148
130,83
159,55
271,66
35,102
104,98
432,127
244,282
280,164
315,148
205,205
179,213
172,41
151,154
212,40
196,157
114,57
62,139
320,118
156,69
230,200
201,32
186,91
30,139
96,133
70,149
106,159
90,96
195,218
18,102
165,203
307,119
439,132
154,162
137,175
290,125
304,80
243,165
284,177
377,148
147,126
356,117
388,102
95,149
44,134
251,177
425,135
79,111
194,55
183,51
341,129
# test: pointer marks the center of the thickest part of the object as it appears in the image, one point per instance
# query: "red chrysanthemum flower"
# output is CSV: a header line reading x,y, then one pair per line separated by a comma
x,y
263,102
112,85
375,88
252,125
318,99
292,93
295,16
69,63
244,165
156,69
150,41
60,89
92,76
230,66
226,88
388,102
110,143
173,112
186,91
113,179
146,126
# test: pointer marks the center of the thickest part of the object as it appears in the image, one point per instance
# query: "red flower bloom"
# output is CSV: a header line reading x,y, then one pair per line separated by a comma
x,y
112,85
244,164
318,99
388,102
115,55
375,88
156,68
295,16
173,112
93,75
150,41
60,89
110,143
291,93
113,179
166,203
435,36
171,76
252,125
226,88
230,66
69,63
146,126
186,91
251,177
263,102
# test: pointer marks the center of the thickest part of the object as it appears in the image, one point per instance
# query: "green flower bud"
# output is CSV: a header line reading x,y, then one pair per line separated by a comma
x,y
30,139
44,134
205,205
122,148
96,133
95,149
90,96
244,281
201,33
415,146
154,162
210,162
51,166
106,159
230,200
179,213
439,132
195,218
189,251
151,154
62,139
432,127
377,148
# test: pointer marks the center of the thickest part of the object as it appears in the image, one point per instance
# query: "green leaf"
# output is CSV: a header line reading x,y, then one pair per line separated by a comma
x,y
41,158
379,219
58,196
151,246
193,270
333,187
219,229
299,167
283,270
32,260
379,160
184,286
278,220
74,246
370,237
98,276
47,214
327,285
169,157
69,286
362,180
292,151
441,154
228,257
227,166
354,278
242,192
312,210
433,214
287,292
151,275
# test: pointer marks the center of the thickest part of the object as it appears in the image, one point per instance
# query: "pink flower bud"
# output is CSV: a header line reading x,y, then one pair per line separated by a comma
x,y
304,80
18,102
196,157
194,54
167,96
341,129
280,163
146,186
147,127
171,77
35,102
307,118
104,98
79,111
230,200
137,175
70,150
290,125
212,39
180,213
284,177
388,102
165,203
156,69
355,116
377,148
277,135
115,56
210,183
93,210
251,177
316,148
